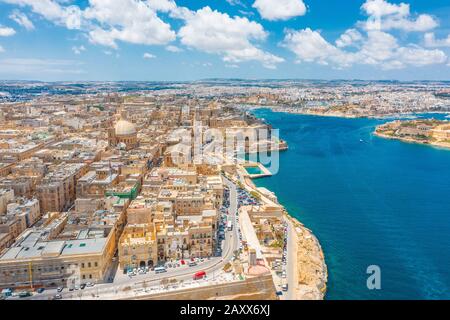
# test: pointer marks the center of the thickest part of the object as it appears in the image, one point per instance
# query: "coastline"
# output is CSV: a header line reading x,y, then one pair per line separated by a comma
x,y
310,268
413,141
347,116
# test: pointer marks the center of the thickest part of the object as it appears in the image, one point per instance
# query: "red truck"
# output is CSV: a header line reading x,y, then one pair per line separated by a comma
x,y
199,275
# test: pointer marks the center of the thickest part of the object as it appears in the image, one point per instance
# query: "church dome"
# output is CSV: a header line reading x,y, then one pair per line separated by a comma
x,y
125,128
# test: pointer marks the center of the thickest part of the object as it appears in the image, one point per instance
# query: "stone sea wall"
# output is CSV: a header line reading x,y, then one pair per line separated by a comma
x,y
312,270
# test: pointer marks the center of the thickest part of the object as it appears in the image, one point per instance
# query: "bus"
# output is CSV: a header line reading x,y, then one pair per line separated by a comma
x,y
199,275
160,270
230,225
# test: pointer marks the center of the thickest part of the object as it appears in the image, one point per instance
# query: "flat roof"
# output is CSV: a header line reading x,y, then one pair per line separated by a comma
x,y
31,249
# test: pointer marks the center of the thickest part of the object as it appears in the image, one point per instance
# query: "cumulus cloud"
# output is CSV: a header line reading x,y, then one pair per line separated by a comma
x,y
106,21
280,9
431,41
69,16
21,19
378,48
6,31
78,50
214,32
148,56
371,45
237,39
349,38
129,21
310,46
385,16
172,48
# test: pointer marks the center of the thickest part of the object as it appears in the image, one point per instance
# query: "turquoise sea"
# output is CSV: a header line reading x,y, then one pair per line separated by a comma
x,y
370,201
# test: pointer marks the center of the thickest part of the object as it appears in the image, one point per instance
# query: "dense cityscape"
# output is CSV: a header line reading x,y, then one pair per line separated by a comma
x,y
100,198
224,156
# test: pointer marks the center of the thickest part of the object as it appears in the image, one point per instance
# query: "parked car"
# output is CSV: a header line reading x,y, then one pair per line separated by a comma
x,y
57,297
25,294
160,270
60,289
40,290
284,287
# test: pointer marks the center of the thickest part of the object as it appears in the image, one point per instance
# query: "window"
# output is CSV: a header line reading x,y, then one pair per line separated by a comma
x,y
82,265
89,265
96,264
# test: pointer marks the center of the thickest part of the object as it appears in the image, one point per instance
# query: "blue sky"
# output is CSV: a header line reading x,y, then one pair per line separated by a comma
x,y
188,40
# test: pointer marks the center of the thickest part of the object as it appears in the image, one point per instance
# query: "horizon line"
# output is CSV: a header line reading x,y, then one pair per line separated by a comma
x,y
223,79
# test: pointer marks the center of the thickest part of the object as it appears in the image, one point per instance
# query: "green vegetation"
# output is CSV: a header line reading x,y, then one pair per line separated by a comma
x,y
277,244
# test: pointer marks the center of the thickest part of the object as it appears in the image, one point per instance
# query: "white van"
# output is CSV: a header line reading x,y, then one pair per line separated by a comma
x,y
160,270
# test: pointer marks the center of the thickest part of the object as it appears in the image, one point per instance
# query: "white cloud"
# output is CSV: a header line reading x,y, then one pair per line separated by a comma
x,y
172,48
371,45
215,32
21,19
2,49
310,46
107,21
68,16
148,56
6,31
162,5
431,41
78,50
381,8
385,16
378,48
280,9
349,38
129,21
235,3
417,56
